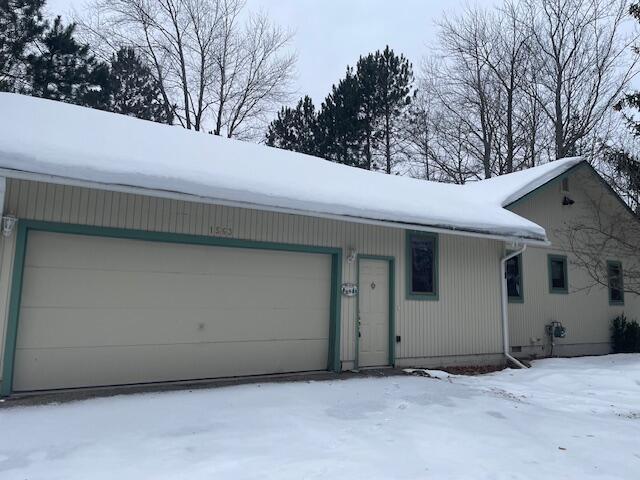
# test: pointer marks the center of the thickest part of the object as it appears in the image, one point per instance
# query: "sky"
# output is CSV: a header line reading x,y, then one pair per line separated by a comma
x,y
331,34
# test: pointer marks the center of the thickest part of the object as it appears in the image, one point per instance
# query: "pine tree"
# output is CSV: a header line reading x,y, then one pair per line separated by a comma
x,y
295,128
65,70
370,107
626,165
21,24
133,90
340,128
358,120
385,87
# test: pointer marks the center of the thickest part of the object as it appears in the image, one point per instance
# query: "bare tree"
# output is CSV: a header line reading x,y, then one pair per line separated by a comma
x,y
605,229
214,68
418,136
258,77
524,83
506,53
579,54
436,142
470,93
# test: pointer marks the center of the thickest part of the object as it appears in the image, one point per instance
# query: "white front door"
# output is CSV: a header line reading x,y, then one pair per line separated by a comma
x,y
373,341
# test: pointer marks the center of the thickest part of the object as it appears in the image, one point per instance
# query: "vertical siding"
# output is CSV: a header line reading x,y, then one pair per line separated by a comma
x,y
585,311
465,320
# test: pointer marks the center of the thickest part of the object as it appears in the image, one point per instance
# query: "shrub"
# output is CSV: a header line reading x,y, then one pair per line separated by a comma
x,y
625,335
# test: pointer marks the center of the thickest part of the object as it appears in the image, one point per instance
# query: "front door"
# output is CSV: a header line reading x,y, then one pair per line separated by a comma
x,y
373,326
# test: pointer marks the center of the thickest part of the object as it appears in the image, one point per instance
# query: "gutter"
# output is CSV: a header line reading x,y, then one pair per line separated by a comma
x,y
174,195
505,311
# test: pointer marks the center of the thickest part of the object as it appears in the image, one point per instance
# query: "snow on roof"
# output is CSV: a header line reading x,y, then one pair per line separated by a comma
x,y
506,189
71,143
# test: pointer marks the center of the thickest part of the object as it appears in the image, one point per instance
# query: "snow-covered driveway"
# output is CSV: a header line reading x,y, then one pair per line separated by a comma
x,y
562,419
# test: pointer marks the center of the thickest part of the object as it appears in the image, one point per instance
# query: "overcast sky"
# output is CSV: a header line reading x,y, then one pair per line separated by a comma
x,y
331,34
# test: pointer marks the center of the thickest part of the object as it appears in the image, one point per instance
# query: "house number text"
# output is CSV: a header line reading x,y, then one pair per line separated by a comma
x,y
222,231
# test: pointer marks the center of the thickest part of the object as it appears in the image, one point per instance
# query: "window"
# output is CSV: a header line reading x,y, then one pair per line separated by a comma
x,y
558,277
616,284
422,266
514,279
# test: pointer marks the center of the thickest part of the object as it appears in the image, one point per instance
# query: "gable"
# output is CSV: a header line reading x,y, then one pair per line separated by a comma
x,y
588,198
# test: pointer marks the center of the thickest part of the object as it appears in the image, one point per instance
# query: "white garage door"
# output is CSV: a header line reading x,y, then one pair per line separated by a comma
x,y
106,311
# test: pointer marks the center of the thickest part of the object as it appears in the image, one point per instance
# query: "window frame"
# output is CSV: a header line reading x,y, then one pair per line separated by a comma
x,y
562,258
519,298
618,264
410,294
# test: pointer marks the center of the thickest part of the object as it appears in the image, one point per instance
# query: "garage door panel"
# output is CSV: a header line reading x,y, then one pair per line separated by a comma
x,y
64,327
86,367
87,298
102,253
104,288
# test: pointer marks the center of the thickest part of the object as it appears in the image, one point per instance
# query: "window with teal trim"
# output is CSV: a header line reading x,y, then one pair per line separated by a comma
x,y
422,265
558,275
616,283
514,279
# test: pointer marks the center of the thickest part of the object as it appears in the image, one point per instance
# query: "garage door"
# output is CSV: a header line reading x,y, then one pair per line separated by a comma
x,y
108,311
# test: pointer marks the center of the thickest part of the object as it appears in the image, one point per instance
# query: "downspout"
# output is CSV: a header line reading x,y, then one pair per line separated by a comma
x,y
505,311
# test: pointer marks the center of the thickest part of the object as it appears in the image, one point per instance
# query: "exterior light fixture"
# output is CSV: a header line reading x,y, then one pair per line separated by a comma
x,y
567,201
352,255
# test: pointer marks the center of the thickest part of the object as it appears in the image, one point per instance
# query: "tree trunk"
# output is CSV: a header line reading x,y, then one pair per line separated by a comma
x,y
510,141
367,145
559,127
387,139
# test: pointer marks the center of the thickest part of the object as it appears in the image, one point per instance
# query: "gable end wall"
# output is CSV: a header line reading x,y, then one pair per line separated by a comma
x,y
584,311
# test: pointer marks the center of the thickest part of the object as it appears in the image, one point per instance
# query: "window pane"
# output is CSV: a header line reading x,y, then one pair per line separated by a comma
x,y
513,277
422,255
615,283
557,274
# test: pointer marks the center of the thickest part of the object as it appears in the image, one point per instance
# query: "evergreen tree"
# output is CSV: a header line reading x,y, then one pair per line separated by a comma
x,y
133,90
21,24
385,87
370,107
65,70
340,128
295,128
627,165
358,121
632,100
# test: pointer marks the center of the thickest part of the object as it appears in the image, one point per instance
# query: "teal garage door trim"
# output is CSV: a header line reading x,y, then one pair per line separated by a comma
x,y
26,226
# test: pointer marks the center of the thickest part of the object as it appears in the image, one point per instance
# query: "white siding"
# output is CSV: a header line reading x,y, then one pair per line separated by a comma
x,y
464,321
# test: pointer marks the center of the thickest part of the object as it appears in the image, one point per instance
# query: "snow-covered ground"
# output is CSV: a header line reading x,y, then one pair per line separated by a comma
x,y
562,419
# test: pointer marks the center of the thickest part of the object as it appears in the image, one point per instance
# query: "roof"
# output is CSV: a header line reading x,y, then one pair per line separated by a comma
x,y
506,189
68,143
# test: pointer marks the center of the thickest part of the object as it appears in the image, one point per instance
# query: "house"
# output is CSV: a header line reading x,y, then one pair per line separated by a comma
x,y
134,253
